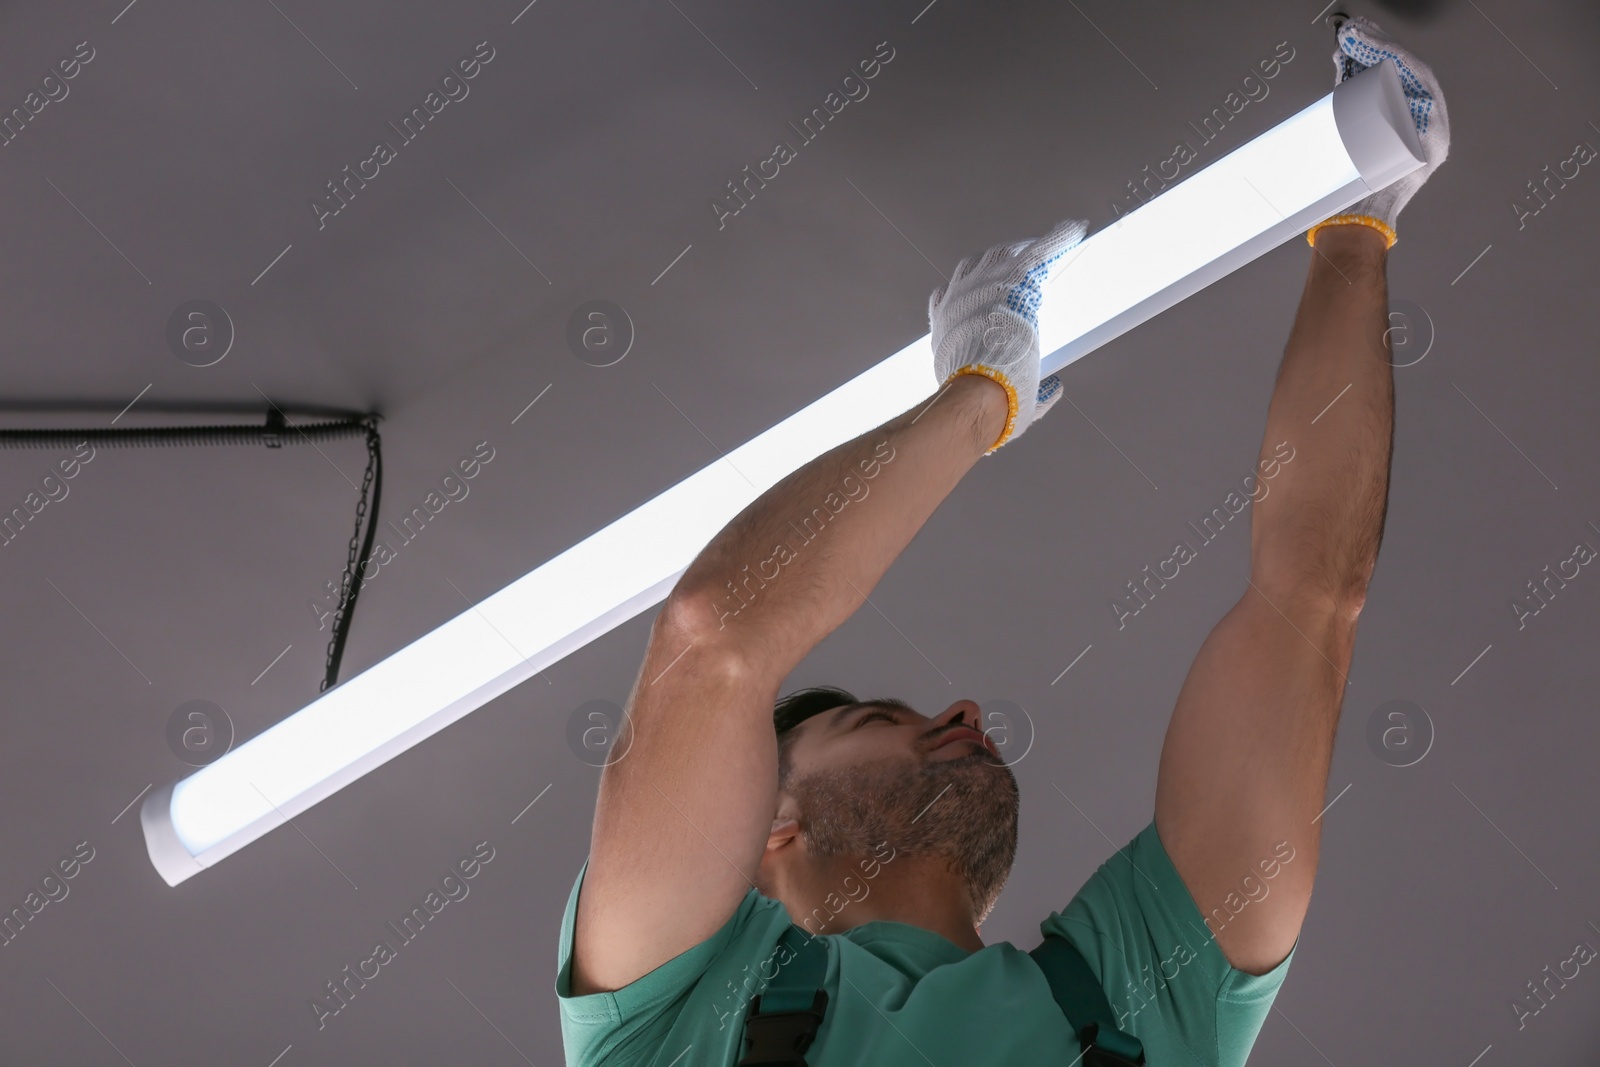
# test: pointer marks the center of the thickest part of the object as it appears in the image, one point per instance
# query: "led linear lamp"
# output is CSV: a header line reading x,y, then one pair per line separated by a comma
x,y
1348,144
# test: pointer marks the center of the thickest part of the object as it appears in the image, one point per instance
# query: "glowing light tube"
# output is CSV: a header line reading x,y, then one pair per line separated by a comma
x,y
1350,143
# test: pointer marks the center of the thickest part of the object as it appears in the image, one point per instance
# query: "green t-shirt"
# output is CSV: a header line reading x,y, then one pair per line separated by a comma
x,y
901,995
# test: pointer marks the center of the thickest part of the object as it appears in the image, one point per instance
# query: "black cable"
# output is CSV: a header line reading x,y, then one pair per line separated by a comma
x,y
274,434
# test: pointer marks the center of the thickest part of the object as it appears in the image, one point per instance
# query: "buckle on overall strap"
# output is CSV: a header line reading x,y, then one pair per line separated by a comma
x,y
780,1038
1078,993
1110,1048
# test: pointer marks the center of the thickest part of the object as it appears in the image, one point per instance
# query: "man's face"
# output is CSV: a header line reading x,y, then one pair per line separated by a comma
x,y
865,774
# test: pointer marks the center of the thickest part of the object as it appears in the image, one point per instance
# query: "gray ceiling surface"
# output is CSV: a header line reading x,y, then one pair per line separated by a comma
x,y
182,164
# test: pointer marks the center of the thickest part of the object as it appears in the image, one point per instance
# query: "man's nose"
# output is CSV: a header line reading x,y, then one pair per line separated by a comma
x,y
965,712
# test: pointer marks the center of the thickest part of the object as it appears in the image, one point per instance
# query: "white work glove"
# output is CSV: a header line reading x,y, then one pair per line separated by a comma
x,y
1363,44
985,321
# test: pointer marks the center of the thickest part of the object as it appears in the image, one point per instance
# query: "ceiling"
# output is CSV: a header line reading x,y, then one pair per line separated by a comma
x,y
581,164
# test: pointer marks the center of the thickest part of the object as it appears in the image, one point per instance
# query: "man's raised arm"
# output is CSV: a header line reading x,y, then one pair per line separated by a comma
x,y
684,812
1244,769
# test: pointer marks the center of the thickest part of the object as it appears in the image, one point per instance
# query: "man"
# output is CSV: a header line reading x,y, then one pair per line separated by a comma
x,y
886,834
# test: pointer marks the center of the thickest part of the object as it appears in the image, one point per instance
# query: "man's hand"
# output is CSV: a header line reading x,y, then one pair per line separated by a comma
x,y
1362,43
985,321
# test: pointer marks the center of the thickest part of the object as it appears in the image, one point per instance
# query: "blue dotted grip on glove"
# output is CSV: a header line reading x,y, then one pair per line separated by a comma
x,y
1026,296
1048,390
1418,98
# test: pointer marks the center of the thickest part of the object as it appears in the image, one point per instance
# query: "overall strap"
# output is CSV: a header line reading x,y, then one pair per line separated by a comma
x,y
1084,1003
784,1017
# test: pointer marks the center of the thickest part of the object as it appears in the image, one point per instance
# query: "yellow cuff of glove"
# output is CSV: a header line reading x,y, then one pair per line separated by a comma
x,y
1364,220
1011,398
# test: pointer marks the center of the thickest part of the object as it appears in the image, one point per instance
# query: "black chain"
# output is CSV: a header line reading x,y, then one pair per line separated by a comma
x,y
349,587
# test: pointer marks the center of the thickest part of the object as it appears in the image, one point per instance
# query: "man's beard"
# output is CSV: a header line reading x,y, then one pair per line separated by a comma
x,y
963,810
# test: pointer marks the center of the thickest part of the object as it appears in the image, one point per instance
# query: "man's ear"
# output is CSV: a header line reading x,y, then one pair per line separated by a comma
x,y
784,830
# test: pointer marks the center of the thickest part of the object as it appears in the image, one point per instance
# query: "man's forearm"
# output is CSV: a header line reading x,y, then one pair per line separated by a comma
x,y
1315,533
791,567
